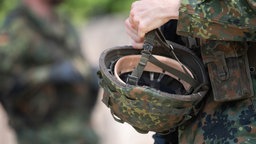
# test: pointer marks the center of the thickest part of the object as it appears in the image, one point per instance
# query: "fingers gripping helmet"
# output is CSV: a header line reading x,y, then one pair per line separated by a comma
x,y
154,89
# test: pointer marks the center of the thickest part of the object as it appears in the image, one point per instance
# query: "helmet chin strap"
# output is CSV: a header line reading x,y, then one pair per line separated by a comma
x,y
146,56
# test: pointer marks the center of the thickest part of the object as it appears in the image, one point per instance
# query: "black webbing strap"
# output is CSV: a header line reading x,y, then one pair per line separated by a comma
x,y
148,57
184,76
145,54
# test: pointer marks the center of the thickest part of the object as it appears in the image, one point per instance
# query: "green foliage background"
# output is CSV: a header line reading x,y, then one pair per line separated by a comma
x,y
79,10
5,6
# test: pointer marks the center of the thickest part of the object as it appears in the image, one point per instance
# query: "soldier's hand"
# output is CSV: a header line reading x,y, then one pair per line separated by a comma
x,y
146,15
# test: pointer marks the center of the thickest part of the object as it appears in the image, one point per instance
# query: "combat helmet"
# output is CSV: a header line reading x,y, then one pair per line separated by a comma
x,y
157,88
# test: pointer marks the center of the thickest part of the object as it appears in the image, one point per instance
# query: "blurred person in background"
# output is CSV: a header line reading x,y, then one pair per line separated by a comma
x,y
47,87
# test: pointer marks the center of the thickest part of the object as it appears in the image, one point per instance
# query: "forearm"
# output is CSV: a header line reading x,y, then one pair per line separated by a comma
x,y
170,10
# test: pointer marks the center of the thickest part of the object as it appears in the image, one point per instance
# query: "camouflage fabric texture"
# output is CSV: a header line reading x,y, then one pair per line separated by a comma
x,y
213,19
46,84
226,27
228,69
222,122
142,106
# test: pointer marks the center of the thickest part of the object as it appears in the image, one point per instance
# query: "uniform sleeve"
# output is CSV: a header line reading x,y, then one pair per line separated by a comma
x,y
218,19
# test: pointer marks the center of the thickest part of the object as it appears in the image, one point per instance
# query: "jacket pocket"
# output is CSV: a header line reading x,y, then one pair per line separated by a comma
x,y
228,69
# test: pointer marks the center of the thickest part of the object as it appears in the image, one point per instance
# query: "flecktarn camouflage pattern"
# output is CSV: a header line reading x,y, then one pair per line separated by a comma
x,y
231,121
227,34
143,106
228,69
232,20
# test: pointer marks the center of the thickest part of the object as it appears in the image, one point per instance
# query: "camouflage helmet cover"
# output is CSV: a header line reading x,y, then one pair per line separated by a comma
x,y
143,106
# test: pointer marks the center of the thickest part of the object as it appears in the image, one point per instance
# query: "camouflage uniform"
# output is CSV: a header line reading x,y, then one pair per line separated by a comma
x,y
46,85
227,33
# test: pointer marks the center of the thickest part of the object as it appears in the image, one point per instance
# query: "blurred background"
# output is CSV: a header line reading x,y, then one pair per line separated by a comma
x,y
100,24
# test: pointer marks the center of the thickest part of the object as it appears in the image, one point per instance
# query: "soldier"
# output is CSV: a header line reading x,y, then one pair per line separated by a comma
x,y
47,87
225,31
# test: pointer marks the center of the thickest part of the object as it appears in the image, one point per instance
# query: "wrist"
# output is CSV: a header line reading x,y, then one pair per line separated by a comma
x,y
171,9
